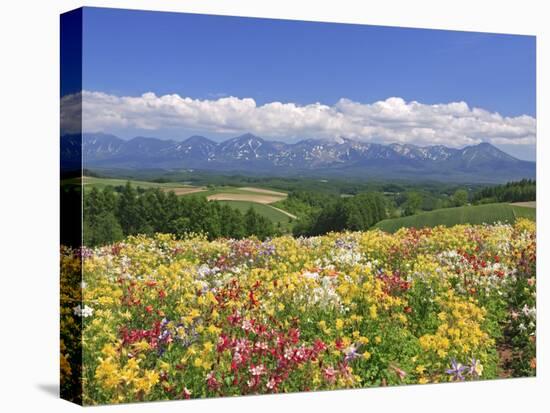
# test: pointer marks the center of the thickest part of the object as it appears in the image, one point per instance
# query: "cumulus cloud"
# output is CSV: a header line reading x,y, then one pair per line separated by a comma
x,y
391,120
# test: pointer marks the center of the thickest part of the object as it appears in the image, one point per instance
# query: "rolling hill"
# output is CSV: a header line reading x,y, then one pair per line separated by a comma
x,y
479,214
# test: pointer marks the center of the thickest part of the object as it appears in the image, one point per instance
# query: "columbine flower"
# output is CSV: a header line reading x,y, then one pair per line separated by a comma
x,y
351,353
476,368
456,370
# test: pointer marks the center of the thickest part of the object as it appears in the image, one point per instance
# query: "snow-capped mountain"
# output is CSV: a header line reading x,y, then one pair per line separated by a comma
x,y
344,157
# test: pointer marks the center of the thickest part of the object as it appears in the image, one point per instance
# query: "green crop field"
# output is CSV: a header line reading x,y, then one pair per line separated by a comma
x,y
478,214
103,182
262,209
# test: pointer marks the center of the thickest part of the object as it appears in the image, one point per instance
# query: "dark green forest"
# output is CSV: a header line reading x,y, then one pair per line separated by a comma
x,y
520,191
356,213
111,215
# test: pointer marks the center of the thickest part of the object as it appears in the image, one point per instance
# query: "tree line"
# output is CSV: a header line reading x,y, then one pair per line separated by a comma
x,y
356,213
518,191
110,215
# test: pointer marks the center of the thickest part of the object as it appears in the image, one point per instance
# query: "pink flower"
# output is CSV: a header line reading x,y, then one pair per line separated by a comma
x,y
271,384
247,325
257,370
241,345
330,374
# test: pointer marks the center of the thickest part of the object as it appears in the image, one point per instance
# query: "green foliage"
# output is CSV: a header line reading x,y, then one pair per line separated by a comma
x,y
412,204
460,197
354,213
521,191
109,216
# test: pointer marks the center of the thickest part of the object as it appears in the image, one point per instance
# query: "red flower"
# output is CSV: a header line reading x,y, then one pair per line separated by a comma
x,y
319,346
186,393
211,381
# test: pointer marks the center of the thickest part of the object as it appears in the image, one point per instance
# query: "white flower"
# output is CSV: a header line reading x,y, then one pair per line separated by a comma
x,y
83,311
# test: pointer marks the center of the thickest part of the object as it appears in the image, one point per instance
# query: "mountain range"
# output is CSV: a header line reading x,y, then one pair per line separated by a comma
x,y
250,154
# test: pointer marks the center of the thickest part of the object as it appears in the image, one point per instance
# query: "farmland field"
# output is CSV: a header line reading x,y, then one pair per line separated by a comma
x,y
240,198
179,189
164,319
247,197
527,204
478,214
273,214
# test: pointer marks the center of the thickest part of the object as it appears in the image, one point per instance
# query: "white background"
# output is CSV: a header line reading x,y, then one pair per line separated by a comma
x,y
29,141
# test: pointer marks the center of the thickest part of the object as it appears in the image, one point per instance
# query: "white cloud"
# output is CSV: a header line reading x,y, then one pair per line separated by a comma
x,y
391,120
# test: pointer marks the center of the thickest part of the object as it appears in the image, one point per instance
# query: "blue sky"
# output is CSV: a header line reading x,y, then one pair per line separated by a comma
x,y
128,53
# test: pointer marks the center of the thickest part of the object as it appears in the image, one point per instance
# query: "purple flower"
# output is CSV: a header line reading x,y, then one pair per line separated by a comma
x,y
351,353
456,370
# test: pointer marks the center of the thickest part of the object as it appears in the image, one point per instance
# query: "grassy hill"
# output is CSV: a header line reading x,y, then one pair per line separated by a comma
x,y
266,210
478,214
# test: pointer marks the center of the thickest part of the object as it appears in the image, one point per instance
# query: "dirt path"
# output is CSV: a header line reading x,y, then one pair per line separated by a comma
x,y
528,204
282,211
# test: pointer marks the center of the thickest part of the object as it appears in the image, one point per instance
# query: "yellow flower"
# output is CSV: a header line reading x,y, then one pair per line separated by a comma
x,y
141,345
373,312
208,346
146,383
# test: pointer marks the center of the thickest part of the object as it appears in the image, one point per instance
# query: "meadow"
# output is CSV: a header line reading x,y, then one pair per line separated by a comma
x,y
274,214
473,214
164,318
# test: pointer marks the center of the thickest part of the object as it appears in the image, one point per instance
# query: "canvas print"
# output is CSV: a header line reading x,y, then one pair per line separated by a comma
x,y
259,206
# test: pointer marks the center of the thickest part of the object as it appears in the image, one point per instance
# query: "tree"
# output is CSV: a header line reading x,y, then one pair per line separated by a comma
x,y
105,229
129,213
460,197
412,204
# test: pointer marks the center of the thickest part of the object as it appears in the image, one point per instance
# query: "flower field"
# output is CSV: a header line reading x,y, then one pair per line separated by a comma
x,y
165,319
